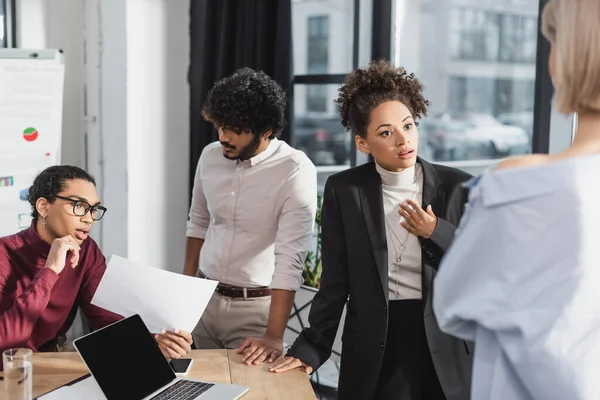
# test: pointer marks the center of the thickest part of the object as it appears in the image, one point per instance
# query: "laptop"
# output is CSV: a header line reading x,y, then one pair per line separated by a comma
x,y
126,363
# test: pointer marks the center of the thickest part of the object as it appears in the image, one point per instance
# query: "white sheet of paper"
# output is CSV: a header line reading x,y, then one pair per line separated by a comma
x,y
163,299
85,389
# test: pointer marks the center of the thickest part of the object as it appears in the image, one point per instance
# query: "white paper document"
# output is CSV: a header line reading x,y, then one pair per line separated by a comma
x,y
87,389
163,299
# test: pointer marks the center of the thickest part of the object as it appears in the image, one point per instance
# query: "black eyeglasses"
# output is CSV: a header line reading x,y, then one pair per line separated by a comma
x,y
81,208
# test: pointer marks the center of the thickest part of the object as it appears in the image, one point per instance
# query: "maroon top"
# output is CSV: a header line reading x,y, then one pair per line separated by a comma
x,y
36,304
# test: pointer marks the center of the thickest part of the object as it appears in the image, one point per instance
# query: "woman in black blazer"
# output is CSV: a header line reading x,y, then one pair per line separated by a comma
x,y
385,227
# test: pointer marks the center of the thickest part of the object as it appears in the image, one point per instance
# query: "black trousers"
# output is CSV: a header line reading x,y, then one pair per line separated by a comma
x,y
407,372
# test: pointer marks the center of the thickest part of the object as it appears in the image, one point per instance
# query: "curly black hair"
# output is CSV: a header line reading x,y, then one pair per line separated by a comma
x,y
365,89
51,181
247,101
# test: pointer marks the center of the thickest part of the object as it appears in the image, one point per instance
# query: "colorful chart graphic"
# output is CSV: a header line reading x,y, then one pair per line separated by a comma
x,y
6,181
30,134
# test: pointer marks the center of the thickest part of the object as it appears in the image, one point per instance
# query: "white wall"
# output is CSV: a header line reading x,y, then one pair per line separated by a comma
x,y
157,130
126,113
106,42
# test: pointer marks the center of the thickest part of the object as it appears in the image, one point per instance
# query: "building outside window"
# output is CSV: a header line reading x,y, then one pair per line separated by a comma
x,y
318,45
475,34
318,61
323,49
477,62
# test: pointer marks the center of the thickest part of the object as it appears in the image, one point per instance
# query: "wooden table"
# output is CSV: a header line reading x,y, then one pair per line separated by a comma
x,y
51,370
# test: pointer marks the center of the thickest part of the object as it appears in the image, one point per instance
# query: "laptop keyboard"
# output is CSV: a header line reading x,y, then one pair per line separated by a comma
x,y
183,390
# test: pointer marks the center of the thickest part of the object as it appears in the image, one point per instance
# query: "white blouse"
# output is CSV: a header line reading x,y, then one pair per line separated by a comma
x,y
522,280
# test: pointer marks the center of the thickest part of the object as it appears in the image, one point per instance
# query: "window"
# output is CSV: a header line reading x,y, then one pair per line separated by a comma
x,y
481,88
318,45
316,98
7,33
483,35
489,95
518,36
321,135
327,44
474,34
322,36
317,61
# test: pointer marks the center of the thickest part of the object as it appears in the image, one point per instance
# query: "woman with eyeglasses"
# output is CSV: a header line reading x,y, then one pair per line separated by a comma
x,y
52,268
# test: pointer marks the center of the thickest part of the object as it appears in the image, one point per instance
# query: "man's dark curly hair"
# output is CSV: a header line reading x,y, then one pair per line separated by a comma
x,y
51,181
247,101
365,89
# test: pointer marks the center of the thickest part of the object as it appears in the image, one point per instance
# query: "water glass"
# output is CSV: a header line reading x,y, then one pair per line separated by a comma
x,y
18,373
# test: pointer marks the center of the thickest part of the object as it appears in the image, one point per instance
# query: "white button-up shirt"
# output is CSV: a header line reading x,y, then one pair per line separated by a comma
x,y
522,280
256,216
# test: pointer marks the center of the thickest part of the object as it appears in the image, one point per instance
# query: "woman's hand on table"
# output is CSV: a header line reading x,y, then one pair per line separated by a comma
x,y
288,363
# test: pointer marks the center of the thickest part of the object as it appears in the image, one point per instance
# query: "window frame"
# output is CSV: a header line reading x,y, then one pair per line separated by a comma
x,y
381,48
10,23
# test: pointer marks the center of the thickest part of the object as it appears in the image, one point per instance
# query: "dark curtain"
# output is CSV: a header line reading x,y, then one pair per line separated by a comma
x,y
229,34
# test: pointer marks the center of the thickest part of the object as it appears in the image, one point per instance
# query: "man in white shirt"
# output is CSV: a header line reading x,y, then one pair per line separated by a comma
x,y
251,219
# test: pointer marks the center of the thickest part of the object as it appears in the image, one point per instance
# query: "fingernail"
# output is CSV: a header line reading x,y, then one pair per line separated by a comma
x,y
176,331
163,331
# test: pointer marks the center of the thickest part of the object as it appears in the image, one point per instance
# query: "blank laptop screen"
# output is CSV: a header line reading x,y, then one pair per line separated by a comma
x,y
125,360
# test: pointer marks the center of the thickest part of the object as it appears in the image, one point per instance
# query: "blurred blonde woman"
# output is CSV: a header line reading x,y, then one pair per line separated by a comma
x,y
522,277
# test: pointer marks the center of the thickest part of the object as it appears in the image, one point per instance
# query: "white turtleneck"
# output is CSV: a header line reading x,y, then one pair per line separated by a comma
x,y
405,275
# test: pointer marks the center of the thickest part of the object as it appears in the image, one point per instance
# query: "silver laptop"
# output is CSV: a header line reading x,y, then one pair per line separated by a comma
x,y
126,363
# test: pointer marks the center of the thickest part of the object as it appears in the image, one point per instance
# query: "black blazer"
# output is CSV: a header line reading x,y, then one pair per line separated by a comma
x,y
355,269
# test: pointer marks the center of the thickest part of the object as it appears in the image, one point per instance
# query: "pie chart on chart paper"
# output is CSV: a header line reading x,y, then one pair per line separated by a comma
x,y
30,134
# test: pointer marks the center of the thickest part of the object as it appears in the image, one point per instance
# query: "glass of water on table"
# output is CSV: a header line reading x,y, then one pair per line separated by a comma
x,y
17,374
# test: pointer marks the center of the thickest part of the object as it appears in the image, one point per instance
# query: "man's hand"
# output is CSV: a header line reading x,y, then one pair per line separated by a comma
x,y
174,344
59,250
258,349
289,363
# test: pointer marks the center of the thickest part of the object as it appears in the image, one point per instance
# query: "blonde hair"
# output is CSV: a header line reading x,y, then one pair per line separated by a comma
x,y
573,28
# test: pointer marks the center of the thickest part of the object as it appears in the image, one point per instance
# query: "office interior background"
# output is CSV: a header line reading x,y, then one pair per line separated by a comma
x,y
137,72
